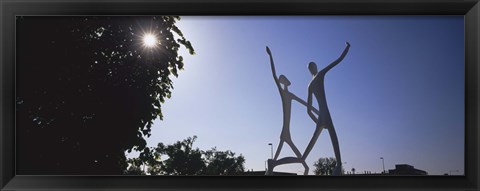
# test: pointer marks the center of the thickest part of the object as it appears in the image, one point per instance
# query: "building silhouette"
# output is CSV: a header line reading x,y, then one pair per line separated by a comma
x,y
405,169
400,169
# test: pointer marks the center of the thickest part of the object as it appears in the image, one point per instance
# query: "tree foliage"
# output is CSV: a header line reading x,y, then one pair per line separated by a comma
x,y
223,163
324,166
87,90
182,159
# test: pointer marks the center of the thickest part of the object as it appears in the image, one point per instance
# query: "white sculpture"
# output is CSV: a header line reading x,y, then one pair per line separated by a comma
x,y
285,137
324,120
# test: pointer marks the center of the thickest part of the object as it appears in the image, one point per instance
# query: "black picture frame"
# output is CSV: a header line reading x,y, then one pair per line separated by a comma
x,y
9,9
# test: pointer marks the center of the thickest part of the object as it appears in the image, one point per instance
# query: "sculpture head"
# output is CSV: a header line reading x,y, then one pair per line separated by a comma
x,y
313,68
284,80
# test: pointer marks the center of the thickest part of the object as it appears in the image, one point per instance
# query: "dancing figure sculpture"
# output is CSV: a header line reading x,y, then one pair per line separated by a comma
x,y
324,120
285,136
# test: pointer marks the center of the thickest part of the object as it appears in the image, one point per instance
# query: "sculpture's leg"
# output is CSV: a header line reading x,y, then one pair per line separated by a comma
x,y
306,167
338,170
279,148
270,166
336,148
317,132
299,155
294,148
272,163
285,160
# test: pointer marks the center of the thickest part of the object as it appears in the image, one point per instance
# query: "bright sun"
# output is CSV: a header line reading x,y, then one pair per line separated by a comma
x,y
149,40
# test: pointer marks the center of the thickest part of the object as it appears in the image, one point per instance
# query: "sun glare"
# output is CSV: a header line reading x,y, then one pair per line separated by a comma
x,y
149,40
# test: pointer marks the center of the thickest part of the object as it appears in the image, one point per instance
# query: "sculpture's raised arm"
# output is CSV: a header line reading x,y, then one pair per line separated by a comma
x,y
273,67
334,63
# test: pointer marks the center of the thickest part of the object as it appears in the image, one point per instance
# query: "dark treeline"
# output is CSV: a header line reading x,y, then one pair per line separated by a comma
x,y
181,158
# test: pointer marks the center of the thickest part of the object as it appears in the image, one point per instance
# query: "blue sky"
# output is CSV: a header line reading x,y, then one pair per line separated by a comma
x,y
398,94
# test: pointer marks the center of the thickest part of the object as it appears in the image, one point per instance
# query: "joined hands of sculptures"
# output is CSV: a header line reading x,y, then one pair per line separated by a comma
x,y
322,120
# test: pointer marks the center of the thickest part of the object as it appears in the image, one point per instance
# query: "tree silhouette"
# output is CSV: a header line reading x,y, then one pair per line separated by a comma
x,y
87,90
182,159
325,166
223,163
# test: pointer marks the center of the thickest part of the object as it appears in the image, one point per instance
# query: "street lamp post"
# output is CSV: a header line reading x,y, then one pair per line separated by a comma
x,y
383,163
271,150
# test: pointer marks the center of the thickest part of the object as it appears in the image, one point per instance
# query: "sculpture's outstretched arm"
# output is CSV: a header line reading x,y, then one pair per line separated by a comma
x,y
301,101
334,63
310,107
273,68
